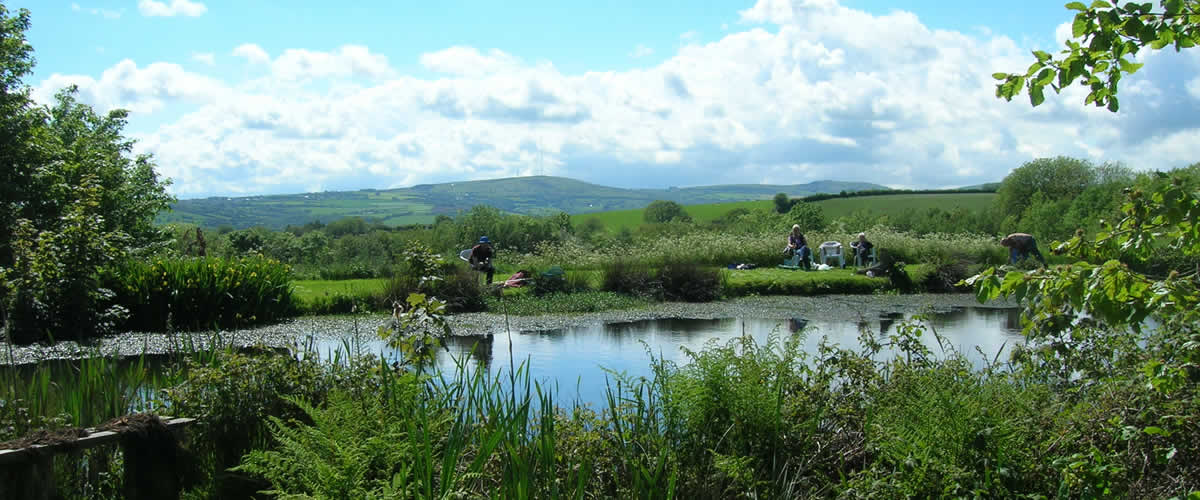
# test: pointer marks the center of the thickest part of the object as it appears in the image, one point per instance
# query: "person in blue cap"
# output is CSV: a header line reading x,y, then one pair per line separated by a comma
x,y
481,257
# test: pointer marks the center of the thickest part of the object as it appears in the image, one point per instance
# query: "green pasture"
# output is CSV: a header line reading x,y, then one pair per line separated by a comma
x,y
615,220
891,203
307,290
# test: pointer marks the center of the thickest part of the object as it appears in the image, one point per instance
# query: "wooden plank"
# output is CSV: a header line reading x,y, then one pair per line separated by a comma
x,y
93,439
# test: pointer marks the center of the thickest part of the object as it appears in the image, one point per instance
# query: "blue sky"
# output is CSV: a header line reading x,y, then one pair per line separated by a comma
x,y
256,97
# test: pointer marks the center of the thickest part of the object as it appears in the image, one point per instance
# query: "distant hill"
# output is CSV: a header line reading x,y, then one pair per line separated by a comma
x,y
536,195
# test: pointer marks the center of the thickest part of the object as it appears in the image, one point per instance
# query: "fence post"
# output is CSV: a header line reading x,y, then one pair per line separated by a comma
x,y
32,479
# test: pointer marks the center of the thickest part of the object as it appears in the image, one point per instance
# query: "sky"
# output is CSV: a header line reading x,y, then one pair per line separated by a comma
x,y
252,97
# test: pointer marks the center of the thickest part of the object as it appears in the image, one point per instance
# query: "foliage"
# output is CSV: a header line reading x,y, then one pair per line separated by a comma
x,y
684,280
553,280
1105,38
71,199
665,211
810,217
631,278
201,293
790,282
1059,178
782,204
233,394
53,289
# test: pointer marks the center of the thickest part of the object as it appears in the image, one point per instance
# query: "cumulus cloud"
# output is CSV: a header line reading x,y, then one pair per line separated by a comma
x,y
641,51
252,53
152,8
140,90
806,90
469,61
348,61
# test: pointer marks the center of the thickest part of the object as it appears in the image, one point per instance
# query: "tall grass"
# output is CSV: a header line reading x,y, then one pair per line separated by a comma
x,y
201,293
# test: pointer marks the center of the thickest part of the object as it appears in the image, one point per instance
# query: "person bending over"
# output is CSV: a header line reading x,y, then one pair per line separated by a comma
x,y
481,258
1020,247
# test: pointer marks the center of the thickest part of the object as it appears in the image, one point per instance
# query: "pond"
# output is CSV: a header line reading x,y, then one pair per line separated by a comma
x,y
577,359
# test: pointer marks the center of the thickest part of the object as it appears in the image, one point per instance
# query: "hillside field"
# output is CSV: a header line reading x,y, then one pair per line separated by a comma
x,y
534,195
616,220
839,207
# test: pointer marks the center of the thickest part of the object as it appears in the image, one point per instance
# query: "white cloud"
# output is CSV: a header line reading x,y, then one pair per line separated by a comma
x,y
349,60
140,90
152,8
641,51
469,61
105,13
807,90
206,58
252,53
1193,88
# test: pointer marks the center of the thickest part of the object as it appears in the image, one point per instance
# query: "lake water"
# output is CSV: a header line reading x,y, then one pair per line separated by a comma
x,y
575,359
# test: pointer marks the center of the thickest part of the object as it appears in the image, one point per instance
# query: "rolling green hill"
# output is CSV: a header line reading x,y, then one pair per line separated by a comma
x,y
537,195
837,207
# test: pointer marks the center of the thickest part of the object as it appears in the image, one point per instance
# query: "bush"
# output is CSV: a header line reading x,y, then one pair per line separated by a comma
x,y
459,289
232,395
629,277
553,280
201,293
53,290
687,281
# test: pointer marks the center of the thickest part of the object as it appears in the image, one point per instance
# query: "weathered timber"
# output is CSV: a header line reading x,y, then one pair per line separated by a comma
x,y
148,445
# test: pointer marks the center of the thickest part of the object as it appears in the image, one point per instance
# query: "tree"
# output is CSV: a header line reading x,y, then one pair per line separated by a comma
x,y
665,211
1058,178
782,204
1109,36
18,121
72,199
809,216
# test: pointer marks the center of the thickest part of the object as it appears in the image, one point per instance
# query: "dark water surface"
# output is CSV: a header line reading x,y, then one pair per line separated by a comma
x,y
575,359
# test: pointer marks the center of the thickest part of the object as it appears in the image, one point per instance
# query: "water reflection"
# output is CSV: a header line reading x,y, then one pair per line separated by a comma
x,y
574,360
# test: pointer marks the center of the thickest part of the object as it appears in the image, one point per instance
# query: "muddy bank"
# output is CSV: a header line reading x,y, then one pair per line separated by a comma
x,y
299,331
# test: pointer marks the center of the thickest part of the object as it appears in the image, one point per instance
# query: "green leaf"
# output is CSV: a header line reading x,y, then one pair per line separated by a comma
x,y
1155,431
1080,26
1079,6
1129,67
1000,76
1101,4
1042,56
1036,97
1172,7
1113,105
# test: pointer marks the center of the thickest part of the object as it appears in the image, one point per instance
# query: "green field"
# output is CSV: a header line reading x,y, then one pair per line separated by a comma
x,y
616,220
839,207
306,290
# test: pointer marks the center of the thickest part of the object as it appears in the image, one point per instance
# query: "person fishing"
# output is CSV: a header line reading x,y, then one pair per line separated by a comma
x,y
1020,247
481,257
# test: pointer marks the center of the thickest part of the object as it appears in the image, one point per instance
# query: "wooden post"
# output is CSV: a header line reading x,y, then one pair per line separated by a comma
x,y
32,479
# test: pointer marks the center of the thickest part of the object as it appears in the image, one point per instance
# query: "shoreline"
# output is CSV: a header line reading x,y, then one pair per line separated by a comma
x,y
297,331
